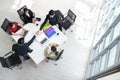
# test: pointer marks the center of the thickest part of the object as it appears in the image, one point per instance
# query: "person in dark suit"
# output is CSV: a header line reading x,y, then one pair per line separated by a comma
x,y
29,16
54,17
22,48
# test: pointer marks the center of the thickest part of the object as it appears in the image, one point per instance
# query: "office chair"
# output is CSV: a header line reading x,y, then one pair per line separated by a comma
x,y
58,56
5,25
21,12
69,20
10,60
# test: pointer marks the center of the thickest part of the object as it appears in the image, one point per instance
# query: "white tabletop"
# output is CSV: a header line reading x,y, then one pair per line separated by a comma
x,y
38,49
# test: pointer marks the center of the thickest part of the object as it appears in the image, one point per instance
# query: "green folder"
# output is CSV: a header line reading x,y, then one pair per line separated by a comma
x,y
46,26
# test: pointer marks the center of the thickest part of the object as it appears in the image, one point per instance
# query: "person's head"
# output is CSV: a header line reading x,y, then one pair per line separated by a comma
x,y
53,48
51,13
25,10
21,41
10,24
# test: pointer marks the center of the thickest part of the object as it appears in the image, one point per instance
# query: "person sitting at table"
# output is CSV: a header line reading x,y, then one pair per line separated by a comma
x,y
22,48
51,51
13,27
54,18
29,16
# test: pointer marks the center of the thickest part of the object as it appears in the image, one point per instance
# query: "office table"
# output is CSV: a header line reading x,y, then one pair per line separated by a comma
x,y
38,49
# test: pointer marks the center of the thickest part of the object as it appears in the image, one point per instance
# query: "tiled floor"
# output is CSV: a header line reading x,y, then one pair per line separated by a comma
x,y
75,57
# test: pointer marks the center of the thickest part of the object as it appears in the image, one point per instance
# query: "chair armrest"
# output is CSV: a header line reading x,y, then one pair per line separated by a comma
x,y
11,52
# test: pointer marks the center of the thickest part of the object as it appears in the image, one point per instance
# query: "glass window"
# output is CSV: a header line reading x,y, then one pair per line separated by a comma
x,y
101,47
119,4
112,55
92,54
93,68
90,70
97,66
119,55
117,7
107,40
107,8
116,31
102,66
112,1
111,13
95,52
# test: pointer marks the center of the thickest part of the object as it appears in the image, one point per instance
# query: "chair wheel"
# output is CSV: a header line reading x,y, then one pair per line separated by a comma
x,y
21,67
55,64
71,30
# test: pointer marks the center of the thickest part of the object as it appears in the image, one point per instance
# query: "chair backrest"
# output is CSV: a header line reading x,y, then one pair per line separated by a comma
x,y
4,62
71,15
5,25
10,60
69,20
21,12
59,55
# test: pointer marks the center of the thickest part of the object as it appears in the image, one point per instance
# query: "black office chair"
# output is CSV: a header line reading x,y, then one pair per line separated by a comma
x,y
5,25
69,20
58,56
21,12
10,60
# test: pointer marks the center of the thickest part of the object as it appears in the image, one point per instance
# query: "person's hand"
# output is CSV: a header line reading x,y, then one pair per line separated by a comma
x,y
17,34
47,47
34,20
20,25
38,32
50,44
24,29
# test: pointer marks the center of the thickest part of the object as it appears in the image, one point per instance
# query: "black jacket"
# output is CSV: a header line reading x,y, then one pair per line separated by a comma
x,y
22,49
53,21
28,19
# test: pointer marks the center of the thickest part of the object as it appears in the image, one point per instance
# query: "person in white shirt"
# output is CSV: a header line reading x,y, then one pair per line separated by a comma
x,y
51,51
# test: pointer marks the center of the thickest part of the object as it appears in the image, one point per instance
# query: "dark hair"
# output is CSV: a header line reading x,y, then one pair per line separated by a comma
x,y
53,48
21,41
25,9
51,12
10,24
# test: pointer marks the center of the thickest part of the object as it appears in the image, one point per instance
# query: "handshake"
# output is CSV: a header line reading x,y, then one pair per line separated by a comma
x,y
38,32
